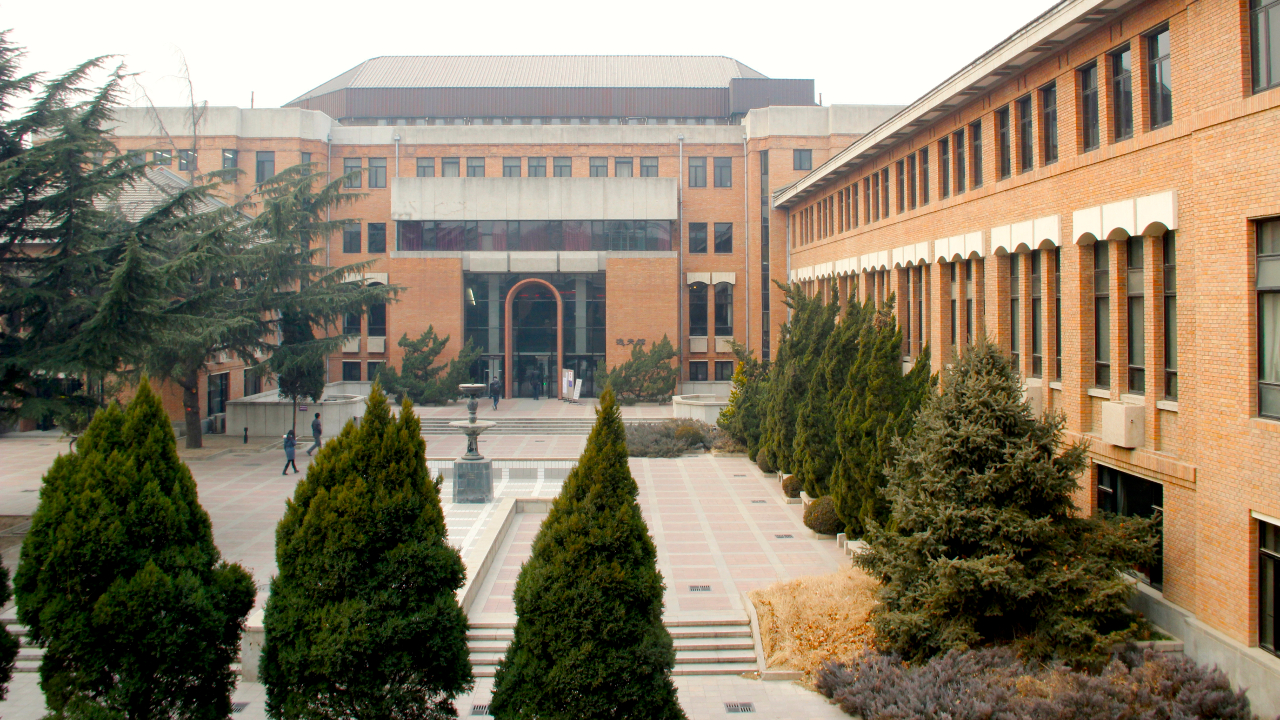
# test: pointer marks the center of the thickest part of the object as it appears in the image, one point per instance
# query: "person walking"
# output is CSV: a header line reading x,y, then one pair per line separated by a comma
x,y
316,429
290,442
495,391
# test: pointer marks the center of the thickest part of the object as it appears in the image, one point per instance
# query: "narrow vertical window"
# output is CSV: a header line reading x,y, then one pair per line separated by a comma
x,y
1268,585
1269,318
698,310
953,303
697,171
1137,337
1101,316
377,172
975,151
266,166
924,176
351,237
902,186
724,237
1015,306
911,182
377,237
1170,315
724,172
724,310
919,291
1026,155
230,159
351,169
884,197
187,160
857,219
968,302
1122,93
906,309
1037,316
1004,143
961,174
1265,34
1159,82
1090,128
944,169
875,193
1057,313
698,238
1049,123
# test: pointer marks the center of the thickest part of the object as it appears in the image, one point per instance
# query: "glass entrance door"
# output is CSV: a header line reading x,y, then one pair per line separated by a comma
x,y
533,375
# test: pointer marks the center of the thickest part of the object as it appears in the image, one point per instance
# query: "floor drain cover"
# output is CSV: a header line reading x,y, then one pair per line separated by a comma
x,y
739,707
480,709
739,475
238,706
784,537
759,502
31,490
699,588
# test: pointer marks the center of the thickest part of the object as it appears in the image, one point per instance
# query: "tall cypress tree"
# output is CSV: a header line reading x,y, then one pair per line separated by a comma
x,y
589,639
878,405
120,581
742,417
363,620
791,374
984,544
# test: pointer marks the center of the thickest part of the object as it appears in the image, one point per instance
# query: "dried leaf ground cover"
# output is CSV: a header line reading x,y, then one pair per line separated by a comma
x,y
815,619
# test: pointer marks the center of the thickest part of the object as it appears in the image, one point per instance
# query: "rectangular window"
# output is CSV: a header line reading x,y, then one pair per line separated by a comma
x,y
378,320
252,383
698,309
537,167
351,169
230,159
426,167
724,172
1057,314
351,323
351,237
902,186
724,370
961,175
954,300
884,196
377,172
374,367
975,152
511,167
1026,156
911,182
1265,34
1269,318
219,392
944,169
697,172
1120,493
1101,316
866,199
1049,123
600,167
697,237
1268,585
924,176
724,310
648,167
1137,338
1159,80
801,159
562,167
450,167
1122,94
162,157
265,167
623,167
1090,127
351,371
724,237
137,157
1170,315
1015,306
1004,146
875,196
304,158
187,160
968,302
377,237
697,370
1037,317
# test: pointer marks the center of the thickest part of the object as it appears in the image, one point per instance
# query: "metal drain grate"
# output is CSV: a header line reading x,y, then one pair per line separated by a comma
x,y
739,475
31,490
480,709
784,537
699,588
739,707
238,706
759,502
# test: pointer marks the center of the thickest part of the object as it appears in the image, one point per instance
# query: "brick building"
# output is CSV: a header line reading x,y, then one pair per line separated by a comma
x,y
1097,194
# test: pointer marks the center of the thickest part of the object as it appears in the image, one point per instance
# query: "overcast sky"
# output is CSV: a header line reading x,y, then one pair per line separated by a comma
x,y
857,51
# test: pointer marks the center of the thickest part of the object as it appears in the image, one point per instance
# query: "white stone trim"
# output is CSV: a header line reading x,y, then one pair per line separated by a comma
x,y
693,277
724,277
1126,218
1025,236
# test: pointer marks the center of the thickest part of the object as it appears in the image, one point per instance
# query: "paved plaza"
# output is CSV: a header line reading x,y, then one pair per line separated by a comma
x,y
720,526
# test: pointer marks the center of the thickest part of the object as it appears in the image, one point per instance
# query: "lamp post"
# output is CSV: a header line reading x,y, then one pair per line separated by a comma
x,y
472,473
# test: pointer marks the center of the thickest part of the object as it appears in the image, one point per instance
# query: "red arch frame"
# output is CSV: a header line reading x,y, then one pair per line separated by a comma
x,y
510,300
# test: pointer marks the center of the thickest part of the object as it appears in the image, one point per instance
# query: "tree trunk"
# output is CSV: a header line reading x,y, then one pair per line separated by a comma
x,y
295,417
191,408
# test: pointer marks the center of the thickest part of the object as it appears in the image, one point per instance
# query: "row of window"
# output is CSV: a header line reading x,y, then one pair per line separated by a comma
x,y
264,161
404,121
698,296
351,370
959,155
722,169
698,370
534,235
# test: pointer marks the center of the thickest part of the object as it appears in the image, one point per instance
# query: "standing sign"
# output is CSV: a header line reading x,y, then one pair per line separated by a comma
x,y
577,388
566,383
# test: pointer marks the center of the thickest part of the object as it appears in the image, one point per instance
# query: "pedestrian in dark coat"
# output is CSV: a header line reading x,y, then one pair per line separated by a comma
x,y
495,391
289,444
316,430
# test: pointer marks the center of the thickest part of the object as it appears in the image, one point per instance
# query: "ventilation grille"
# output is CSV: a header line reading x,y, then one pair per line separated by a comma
x,y
699,588
784,537
759,502
238,706
480,710
739,707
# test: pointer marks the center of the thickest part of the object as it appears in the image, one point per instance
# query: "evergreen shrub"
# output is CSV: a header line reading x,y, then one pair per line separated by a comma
x,y
995,683
647,376
363,621
8,643
821,517
741,418
121,583
420,379
669,438
589,640
791,486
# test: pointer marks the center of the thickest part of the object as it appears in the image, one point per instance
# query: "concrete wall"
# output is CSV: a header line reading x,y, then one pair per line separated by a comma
x,y
536,134
546,198
705,408
817,121
265,416
223,121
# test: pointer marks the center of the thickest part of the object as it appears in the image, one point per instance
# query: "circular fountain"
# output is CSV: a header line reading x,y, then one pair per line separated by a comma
x,y
472,473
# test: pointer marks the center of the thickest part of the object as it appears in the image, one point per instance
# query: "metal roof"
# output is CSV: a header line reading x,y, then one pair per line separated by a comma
x,y
539,71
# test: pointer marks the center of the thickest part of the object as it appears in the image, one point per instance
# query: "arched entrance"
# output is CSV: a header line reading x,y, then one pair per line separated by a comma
x,y
534,368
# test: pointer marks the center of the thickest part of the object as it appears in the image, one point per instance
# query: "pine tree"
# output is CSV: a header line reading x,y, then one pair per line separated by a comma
x,y
877,405
298,362
362,621
8,643
589,639
121,583
984,544
789,377
423,382
741,418
647,376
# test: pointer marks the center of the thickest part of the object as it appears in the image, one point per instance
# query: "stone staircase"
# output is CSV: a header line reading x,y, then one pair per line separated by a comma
x,y
28,655
703,647
521,426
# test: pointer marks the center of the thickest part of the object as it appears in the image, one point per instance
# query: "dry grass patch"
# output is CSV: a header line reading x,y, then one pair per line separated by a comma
x,y
810,620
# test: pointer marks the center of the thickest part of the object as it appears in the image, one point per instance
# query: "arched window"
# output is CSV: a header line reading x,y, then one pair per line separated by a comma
x,y
724,310
698,310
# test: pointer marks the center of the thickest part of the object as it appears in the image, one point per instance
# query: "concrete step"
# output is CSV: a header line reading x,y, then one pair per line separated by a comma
x,y
710,631
26,666
717,668
683,645
694,657
30,653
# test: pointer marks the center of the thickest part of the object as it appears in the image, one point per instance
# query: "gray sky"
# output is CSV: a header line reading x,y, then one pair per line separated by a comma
x,y
857,51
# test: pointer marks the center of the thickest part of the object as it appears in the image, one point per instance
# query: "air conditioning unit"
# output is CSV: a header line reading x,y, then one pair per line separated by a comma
x,y
377,344
1123,425
1033,395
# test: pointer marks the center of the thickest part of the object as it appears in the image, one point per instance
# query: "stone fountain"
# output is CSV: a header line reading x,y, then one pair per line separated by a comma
x,y
472,473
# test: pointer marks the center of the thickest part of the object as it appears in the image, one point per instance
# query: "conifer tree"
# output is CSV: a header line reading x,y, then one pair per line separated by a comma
x,y
8,643
589,639
422,381
877,405
984,544
790,375
362,621
121,583
647,376
741,418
